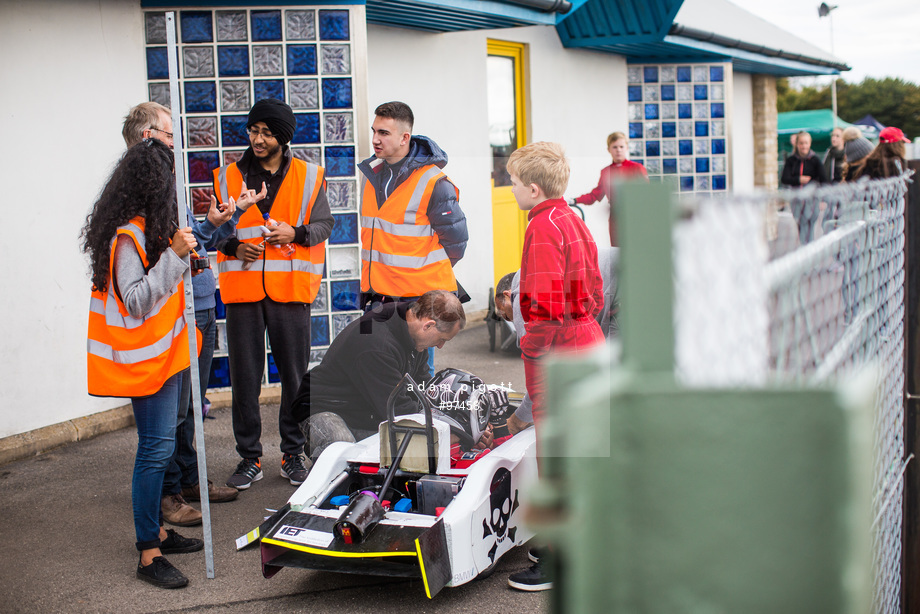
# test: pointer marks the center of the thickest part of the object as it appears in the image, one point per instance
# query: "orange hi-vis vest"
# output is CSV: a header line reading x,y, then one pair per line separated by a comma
x,y
400,253
285,280
133,357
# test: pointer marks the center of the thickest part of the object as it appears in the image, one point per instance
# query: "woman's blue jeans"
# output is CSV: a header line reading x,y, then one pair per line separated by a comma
x,y
156,439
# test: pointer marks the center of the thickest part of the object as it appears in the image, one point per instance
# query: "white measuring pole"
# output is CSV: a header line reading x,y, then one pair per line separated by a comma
x,y
172,53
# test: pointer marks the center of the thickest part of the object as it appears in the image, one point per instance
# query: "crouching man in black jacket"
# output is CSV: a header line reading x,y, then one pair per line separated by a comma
x,y
344,397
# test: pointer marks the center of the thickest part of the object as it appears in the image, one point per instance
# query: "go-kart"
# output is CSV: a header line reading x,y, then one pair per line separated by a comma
x,y
392,505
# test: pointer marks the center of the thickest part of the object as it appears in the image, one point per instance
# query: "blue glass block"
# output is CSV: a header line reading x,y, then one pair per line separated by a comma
x,y
650,74
684,74
307,130
273,376
319,330
233,61
345,229
233,131
667,92
220,310
718,146
685,111
701,128
340,161
715,73
157,63
635,130
669,165
686,184
651,111
668,129
702,165
717,109
196,26
269,89
700,92
200,166
333,25
634,93
301,59
200,97
346,295
718,182
220,373
652,148
266,25
686,147
337,94
638,161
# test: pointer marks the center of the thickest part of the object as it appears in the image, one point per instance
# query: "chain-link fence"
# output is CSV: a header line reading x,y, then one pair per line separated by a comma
x,y
803,286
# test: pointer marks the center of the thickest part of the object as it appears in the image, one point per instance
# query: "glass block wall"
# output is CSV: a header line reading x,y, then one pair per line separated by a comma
x,y
679,123
230,58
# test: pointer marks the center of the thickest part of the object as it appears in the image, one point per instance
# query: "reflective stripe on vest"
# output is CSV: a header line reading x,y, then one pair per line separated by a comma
x,y
128,356
401,254
284,280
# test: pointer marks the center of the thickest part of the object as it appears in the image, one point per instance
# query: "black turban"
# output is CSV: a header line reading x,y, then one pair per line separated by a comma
x,y
277,116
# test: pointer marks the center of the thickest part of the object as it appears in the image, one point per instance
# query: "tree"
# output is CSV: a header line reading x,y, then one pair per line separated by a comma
x,y
892,101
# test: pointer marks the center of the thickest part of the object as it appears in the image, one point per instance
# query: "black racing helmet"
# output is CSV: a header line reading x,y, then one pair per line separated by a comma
x,y
462,398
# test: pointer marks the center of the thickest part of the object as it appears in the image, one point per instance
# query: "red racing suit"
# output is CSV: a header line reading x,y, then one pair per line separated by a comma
x,y
561,290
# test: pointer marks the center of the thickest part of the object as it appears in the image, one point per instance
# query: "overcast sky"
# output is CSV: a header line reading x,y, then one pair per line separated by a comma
x,y
876,38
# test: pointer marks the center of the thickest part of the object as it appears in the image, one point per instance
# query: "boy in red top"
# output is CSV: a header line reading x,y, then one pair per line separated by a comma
x,y
620,169
561,287
561,290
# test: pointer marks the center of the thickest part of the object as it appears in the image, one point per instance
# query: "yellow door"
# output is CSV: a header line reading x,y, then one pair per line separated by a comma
x,y
507,132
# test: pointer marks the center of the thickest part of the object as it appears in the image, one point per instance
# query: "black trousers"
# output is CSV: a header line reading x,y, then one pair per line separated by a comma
x,y
288,326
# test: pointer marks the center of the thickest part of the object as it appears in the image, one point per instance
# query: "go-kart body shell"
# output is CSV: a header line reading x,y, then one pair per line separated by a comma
x,y
480,524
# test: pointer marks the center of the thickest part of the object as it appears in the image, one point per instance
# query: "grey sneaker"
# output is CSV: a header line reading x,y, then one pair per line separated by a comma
x,y
248,471
292,468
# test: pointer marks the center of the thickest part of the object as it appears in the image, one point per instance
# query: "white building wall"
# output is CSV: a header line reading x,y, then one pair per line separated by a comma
x,y
742,133
575,97
61,108
71,71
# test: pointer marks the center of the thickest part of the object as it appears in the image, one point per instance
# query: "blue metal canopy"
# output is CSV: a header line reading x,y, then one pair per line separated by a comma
x,y
643,31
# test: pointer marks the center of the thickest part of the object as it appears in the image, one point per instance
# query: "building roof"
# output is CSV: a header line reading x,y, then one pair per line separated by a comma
x,y
652,31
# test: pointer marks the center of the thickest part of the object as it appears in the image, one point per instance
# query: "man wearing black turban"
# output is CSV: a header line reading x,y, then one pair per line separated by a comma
x,y
270,287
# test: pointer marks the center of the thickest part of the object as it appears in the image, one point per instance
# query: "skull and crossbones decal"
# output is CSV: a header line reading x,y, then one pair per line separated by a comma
x,y
502,507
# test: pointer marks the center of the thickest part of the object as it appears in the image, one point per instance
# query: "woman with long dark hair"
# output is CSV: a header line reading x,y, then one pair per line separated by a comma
x,y
887,159
137,343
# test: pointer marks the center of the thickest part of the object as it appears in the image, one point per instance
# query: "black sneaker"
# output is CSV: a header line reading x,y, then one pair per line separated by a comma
x,y
534,554
248,471
176,544
292,468
161,573
531,579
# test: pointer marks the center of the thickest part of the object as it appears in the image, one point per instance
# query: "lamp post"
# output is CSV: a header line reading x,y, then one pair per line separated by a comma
x,y
825,11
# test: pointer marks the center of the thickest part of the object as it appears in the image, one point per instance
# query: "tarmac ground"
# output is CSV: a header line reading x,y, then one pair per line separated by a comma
x,y
68,536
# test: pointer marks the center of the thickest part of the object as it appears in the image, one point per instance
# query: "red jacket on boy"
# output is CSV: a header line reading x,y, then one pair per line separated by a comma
x,y
561,288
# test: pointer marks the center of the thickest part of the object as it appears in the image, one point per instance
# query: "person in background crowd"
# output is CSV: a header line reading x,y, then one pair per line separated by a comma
x,y
887,159
137,256
620,168
833,159
803,166
855,147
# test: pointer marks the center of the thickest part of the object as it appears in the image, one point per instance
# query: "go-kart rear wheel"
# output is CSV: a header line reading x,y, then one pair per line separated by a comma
x,y
488,571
